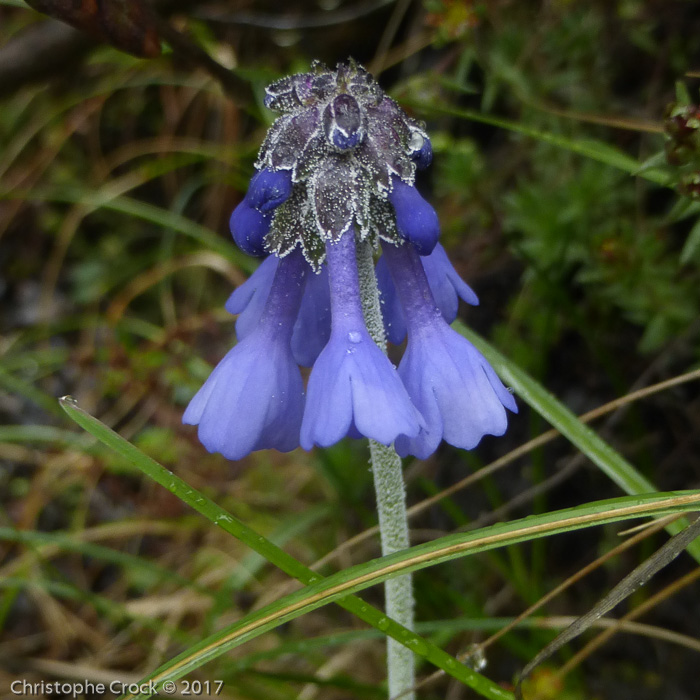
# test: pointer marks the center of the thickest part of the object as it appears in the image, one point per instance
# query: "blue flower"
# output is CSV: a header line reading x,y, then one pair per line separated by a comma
x,y
445,284
250,220
336,170
452,385
254,398
353,386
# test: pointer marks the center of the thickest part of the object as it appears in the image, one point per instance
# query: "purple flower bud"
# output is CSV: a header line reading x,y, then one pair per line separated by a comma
x,y
342,122
268,189
249,227
251,219
416,220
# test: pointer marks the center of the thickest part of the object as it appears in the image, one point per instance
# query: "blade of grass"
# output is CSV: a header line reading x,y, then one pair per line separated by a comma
x,y
590,148
609,461
356,578
217,515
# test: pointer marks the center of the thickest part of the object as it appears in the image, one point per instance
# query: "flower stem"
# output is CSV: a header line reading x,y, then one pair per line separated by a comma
x,y
391,502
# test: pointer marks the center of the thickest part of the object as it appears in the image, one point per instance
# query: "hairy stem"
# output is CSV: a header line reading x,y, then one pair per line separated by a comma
x,y
391,502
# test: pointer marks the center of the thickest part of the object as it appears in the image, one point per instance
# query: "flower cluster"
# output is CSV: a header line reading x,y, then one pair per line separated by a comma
x,y
335,176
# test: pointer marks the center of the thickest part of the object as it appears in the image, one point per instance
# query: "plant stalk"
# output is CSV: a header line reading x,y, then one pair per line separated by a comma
x,y
391,503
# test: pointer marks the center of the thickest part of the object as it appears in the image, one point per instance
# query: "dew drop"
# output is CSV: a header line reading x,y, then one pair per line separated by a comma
x,y
383,623
354,337
70,400
476,658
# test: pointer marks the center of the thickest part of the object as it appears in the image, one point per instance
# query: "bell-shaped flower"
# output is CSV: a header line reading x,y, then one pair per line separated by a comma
x,y
250,220
254,398
457,392
445,284
416,220
353,388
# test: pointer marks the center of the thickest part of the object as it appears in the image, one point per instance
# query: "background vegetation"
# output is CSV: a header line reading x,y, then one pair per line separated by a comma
x,y
564,205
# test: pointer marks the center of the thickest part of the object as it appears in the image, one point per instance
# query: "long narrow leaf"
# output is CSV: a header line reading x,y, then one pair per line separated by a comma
x,y
217,515
609,461
356,578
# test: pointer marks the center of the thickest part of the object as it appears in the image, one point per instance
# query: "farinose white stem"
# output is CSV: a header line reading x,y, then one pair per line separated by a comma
x,y
391,502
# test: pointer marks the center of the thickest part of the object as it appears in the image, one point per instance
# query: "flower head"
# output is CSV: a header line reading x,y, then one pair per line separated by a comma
x,y
335,177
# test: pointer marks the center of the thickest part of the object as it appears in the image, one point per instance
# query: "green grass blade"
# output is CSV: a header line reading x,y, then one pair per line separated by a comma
x,y
610,462
590,148
338,586
217,515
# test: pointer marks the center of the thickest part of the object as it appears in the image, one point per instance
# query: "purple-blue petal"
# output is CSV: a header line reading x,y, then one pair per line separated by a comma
x,y
457,392
312,328
392,313
446,284
249,299
268,189
249,228
353,382
247,404
416,220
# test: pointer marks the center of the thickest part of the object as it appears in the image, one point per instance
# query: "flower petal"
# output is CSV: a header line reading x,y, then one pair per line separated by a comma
x,y
392,313
353,382
455,389
446,284
249,299
246,404
313,325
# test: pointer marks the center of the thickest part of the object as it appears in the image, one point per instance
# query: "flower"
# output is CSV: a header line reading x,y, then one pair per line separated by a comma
x,y
313,324
353,386
335,178
254,398
312,328
449,381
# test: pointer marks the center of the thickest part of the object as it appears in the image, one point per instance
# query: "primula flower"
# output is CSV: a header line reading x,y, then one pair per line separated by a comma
x,y
450,382
352,383
335,177
416,220
250,221
254,399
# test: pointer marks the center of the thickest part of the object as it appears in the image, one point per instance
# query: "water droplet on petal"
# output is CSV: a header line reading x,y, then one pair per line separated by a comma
x,y
354,337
